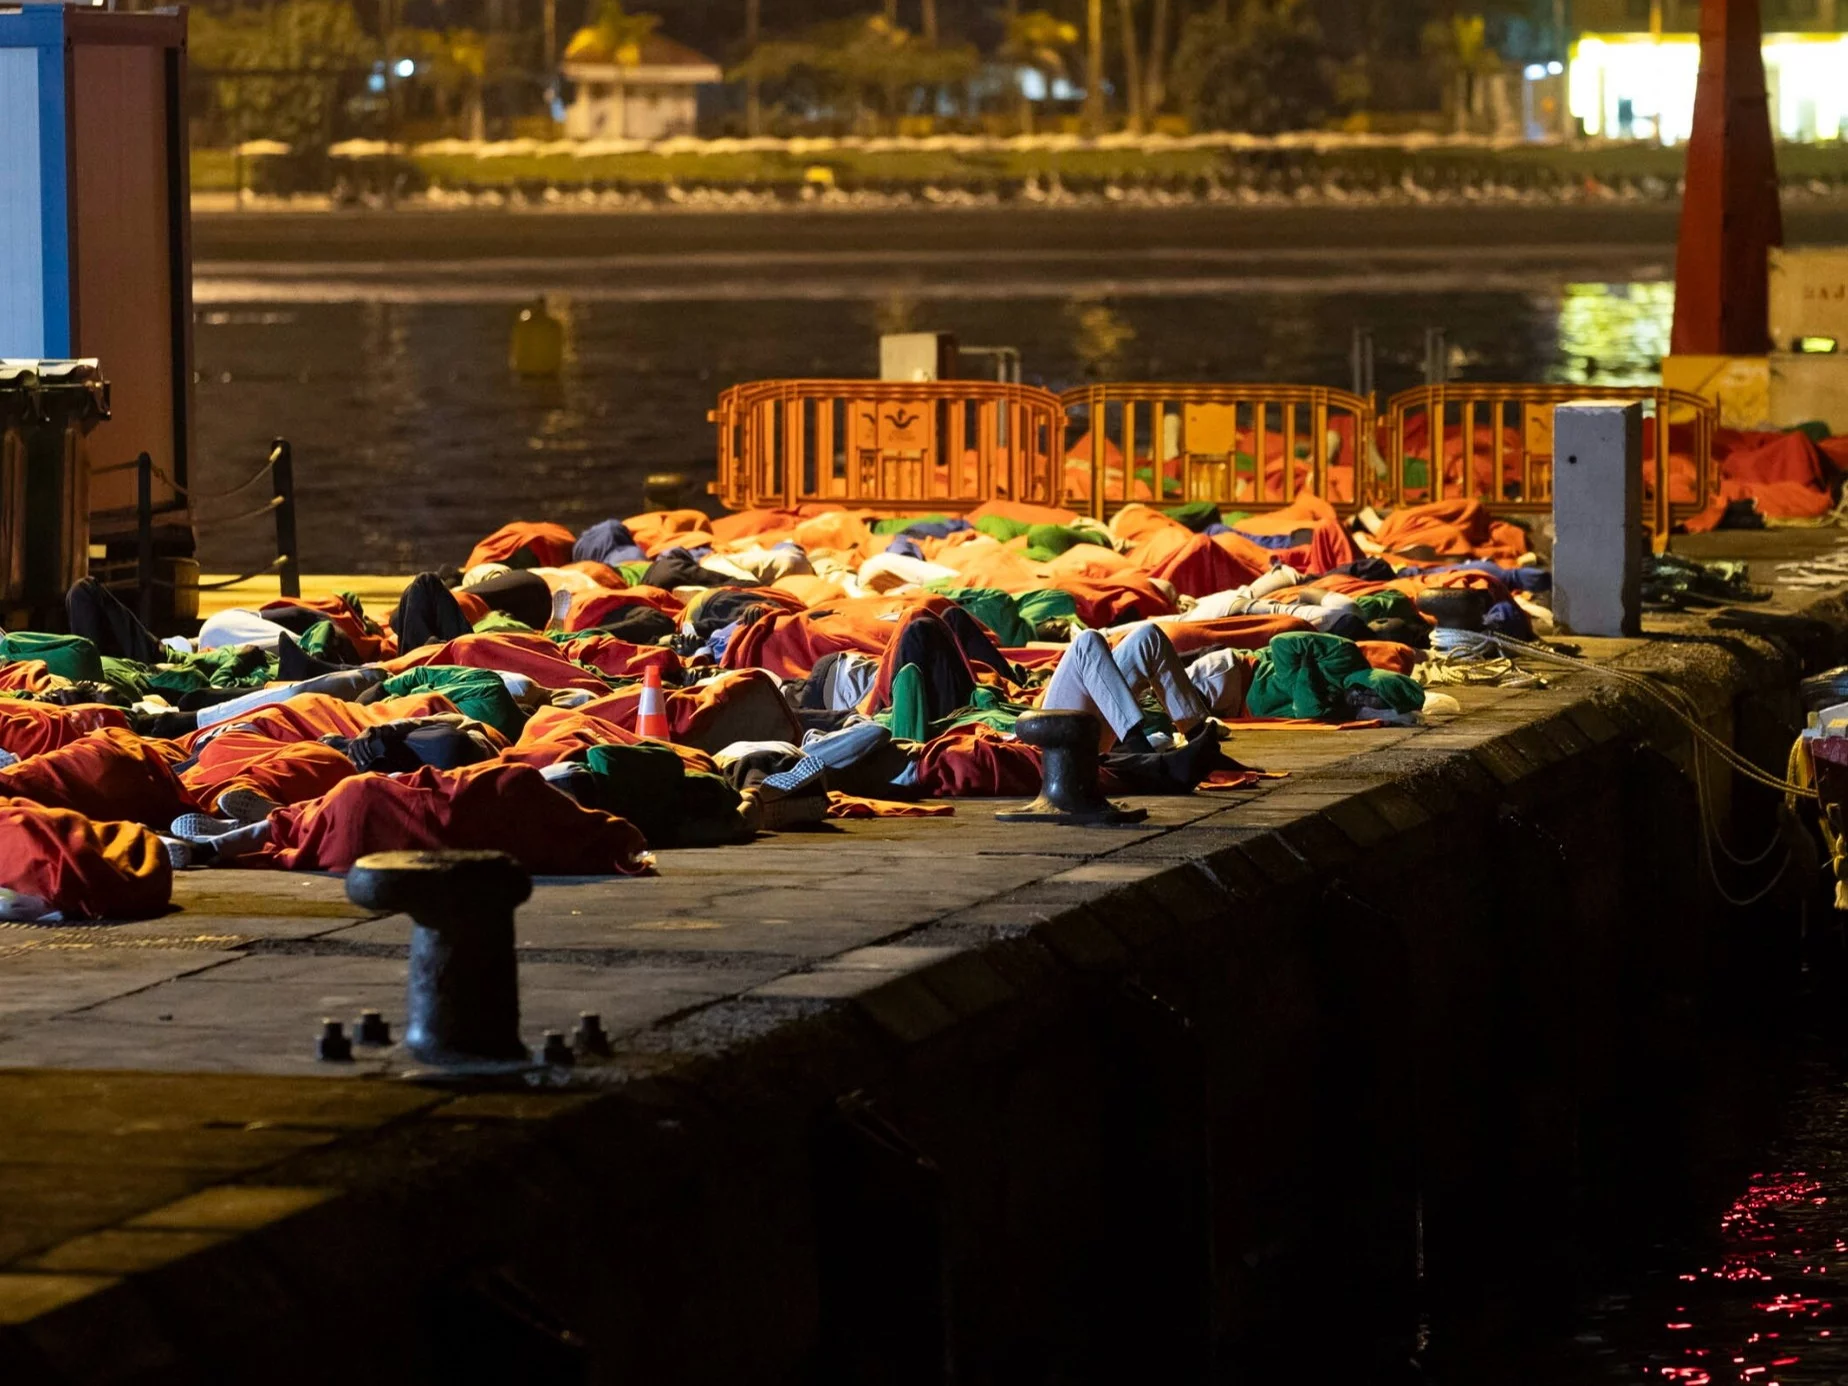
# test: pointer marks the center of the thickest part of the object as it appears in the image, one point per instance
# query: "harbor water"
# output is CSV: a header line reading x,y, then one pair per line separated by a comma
x,y
411,433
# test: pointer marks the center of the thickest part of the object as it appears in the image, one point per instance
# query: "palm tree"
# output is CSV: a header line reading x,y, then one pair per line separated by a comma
x,y
753,88
867,62
1461,45
455,64
1132,66
1155,81
1094,66
1040,41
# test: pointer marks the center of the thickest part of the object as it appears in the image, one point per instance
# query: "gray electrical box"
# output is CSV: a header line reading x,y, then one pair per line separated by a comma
x,y
1598,517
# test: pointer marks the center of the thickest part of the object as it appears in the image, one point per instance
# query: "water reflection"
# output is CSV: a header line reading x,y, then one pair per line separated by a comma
x,y
1101,337
1755,1297
1614,334
412,436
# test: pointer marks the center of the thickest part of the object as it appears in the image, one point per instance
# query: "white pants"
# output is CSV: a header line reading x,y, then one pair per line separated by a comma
x,y
1094,678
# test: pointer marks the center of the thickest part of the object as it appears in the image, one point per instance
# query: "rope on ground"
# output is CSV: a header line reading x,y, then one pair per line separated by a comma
x,y
1468,657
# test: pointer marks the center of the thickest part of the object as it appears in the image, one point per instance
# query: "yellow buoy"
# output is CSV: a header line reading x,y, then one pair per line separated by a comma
x,y
538,345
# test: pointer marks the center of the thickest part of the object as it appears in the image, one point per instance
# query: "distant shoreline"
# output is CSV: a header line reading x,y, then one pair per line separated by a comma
x,y
657,239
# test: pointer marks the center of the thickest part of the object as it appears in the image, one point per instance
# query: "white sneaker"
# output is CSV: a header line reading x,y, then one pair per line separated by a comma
x,y
561,609
245,806
202,827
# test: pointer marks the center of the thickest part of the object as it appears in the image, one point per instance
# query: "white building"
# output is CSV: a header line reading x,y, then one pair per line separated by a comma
x,y
652,98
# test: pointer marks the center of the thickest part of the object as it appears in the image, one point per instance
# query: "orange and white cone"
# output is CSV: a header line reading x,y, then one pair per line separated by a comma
x,y
651,713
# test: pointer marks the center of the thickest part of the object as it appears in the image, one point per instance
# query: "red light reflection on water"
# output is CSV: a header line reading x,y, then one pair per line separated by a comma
x,y
1766,1244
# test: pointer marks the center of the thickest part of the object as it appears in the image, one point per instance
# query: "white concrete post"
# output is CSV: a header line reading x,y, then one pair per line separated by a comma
x,y
1598,518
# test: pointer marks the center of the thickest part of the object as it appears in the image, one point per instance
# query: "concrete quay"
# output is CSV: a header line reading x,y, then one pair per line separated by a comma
x,y
930,1099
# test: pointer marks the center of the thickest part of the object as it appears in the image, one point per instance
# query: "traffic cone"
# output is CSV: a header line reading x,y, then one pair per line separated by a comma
x,y
651,713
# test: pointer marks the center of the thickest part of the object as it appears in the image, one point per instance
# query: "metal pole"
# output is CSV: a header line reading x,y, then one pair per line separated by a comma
x,y
144,539
282,482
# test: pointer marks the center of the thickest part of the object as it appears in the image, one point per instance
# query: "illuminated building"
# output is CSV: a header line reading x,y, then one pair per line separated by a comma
x,y
1635,63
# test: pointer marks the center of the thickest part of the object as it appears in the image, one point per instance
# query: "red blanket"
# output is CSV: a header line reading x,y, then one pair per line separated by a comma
x,y
108,775
30,729
1785,475
83,868
506,808
509,652
548,544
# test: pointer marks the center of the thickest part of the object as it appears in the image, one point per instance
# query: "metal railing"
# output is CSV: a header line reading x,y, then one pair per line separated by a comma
x,y
896,445
1244,447
278,466
1504,456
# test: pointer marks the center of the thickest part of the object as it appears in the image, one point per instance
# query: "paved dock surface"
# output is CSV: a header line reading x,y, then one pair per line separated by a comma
x,y
150,1073
237,978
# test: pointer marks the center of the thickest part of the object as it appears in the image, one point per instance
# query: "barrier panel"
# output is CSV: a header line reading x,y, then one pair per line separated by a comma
x,y
922,446
1494,443
1243,447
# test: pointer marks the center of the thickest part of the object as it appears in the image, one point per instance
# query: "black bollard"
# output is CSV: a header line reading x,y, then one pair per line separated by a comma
x,y
463,1002
1068,773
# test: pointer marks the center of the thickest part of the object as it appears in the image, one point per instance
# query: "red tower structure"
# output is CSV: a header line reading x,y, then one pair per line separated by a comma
x,y
1730,217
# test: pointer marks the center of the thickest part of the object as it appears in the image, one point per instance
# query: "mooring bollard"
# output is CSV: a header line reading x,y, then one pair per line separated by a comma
x,y
463,1002
589,1037
1068,773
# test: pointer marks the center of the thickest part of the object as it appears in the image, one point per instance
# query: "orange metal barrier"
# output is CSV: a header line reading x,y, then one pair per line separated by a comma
x,y
1494,443
922,446
1244,447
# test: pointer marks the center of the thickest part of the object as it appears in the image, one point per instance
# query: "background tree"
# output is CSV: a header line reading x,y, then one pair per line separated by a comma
x,y
320,39
455,63
1459,43
1155,80
1094,66
1041,42
753,90
868,64
1256,65
1132,66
